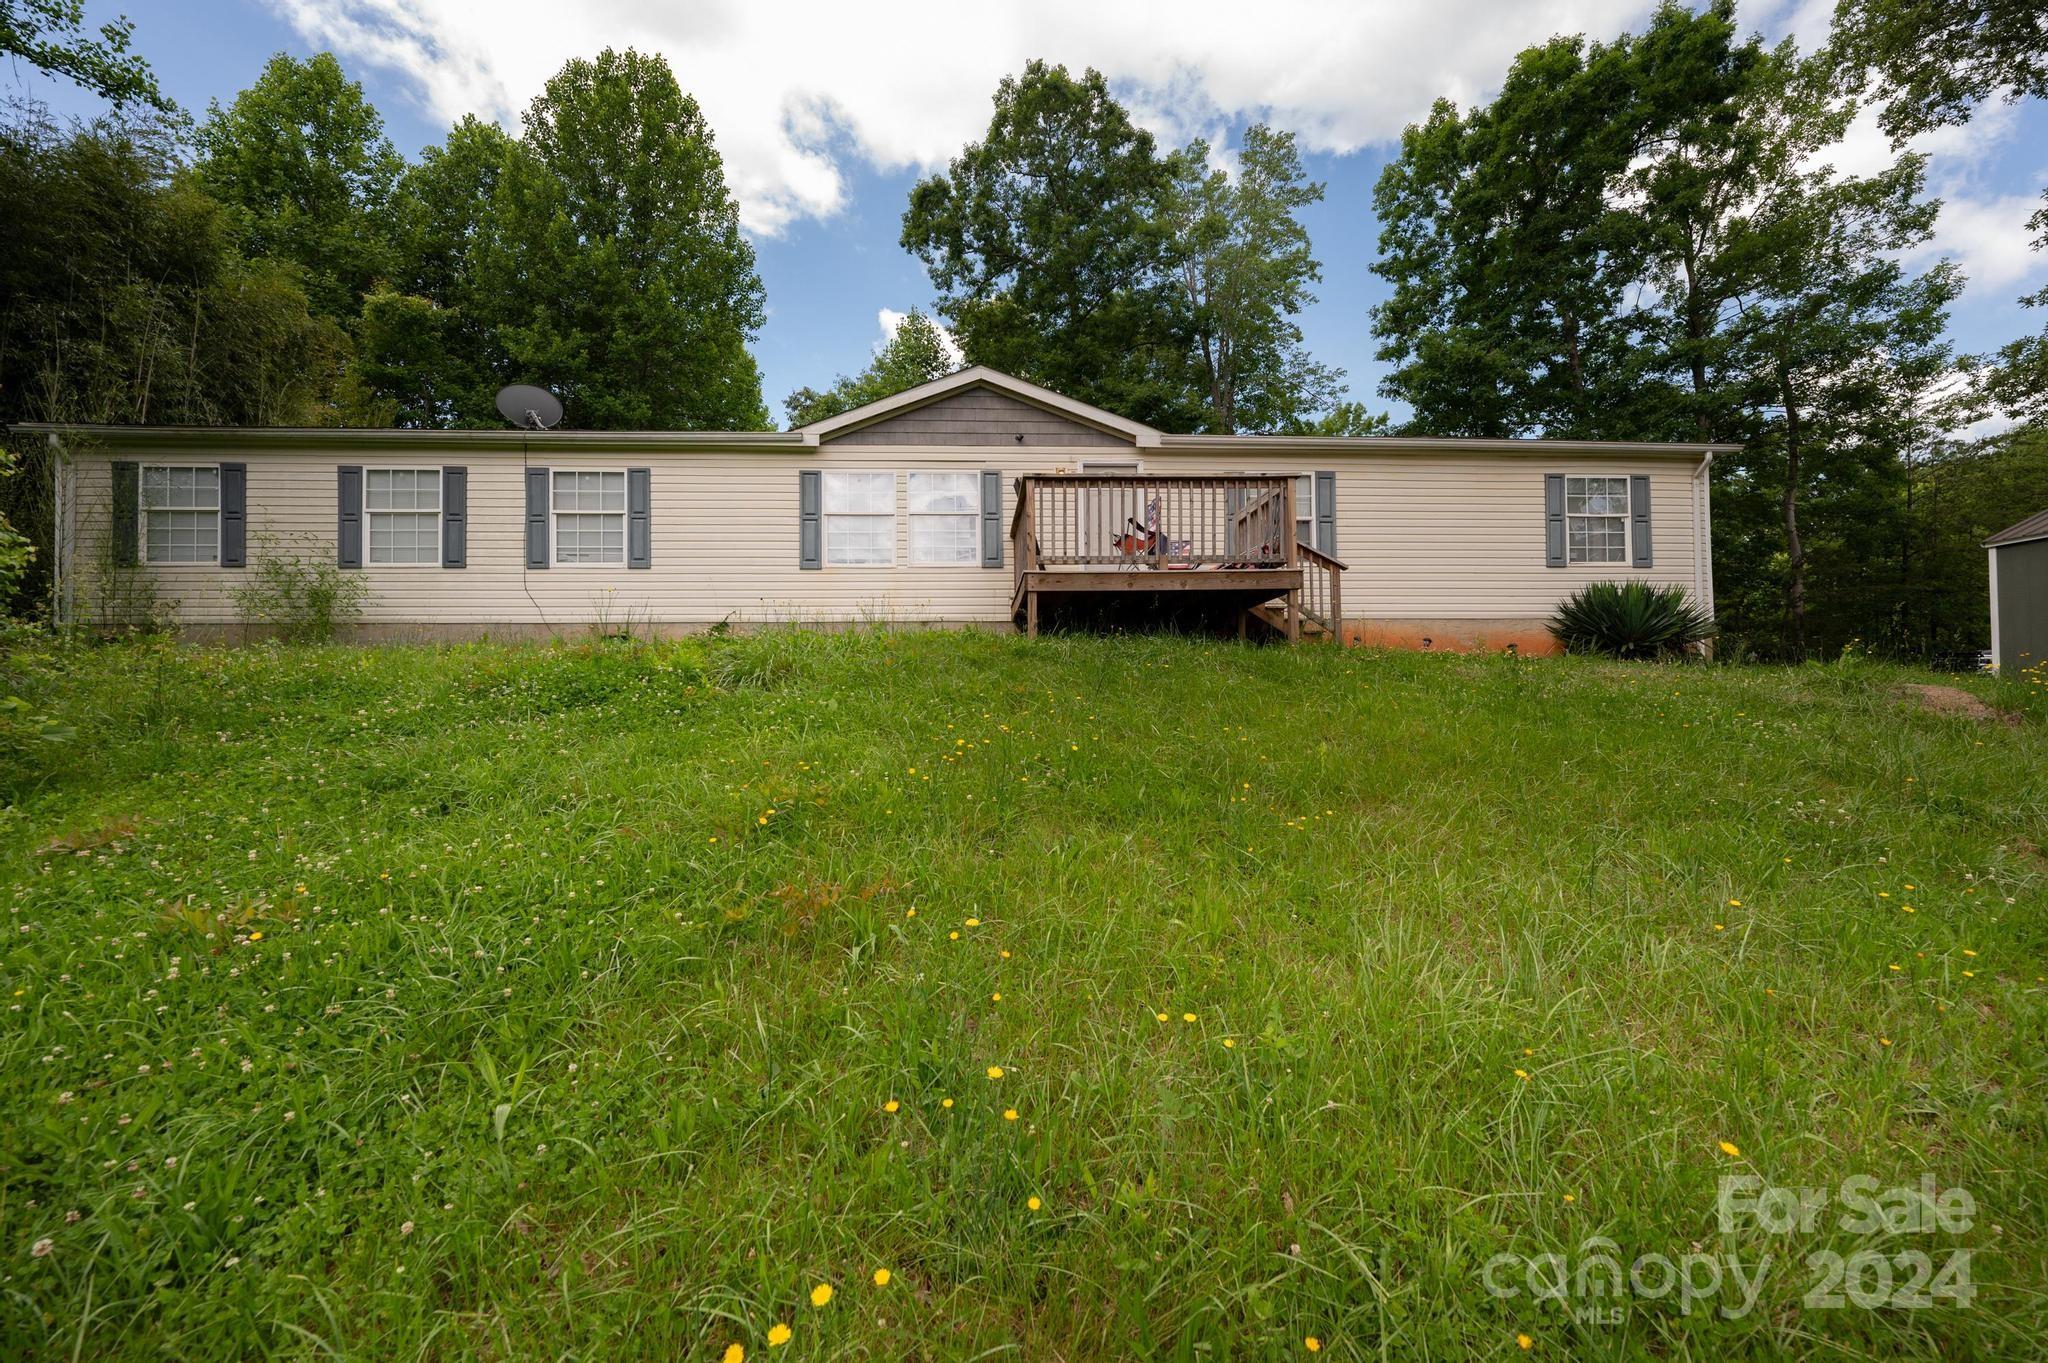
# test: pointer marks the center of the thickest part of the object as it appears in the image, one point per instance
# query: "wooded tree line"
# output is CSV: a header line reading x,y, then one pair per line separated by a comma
x,y
1636,239
1644,239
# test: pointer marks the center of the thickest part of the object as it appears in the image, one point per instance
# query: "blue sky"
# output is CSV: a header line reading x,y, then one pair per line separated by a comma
x,y
828,113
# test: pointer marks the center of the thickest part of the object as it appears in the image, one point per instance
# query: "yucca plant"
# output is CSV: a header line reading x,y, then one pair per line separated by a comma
x,y
1630,620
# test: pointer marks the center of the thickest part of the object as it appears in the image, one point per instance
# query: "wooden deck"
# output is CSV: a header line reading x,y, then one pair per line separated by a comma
x,y
1230,540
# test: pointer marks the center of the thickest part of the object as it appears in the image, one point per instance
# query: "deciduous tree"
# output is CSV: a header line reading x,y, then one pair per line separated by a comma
x,y
1241,257
618,257
302,157
50,36
1048,245
916,353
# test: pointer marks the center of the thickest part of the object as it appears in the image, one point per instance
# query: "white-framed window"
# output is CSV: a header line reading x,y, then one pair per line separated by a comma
x,y
403,508
860,520
1305,508
1595,519
180,513
590,517
945,518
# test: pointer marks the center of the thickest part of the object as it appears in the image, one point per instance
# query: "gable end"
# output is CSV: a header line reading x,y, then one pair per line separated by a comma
x,y
979,416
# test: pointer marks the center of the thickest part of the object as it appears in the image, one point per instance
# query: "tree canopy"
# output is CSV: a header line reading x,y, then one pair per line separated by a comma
x,y
302,157
50,35
619,258
1048,246
1641,239
1068,249
1242,260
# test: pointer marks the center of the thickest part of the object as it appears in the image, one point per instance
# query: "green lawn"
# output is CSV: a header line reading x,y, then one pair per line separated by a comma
x,y
603,1001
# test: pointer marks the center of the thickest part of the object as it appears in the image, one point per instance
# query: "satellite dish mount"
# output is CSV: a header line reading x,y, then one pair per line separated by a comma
x,y
529,408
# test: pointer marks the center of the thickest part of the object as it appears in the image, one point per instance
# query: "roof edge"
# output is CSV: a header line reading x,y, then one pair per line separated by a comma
x,y
384,437
2034,527
1448,443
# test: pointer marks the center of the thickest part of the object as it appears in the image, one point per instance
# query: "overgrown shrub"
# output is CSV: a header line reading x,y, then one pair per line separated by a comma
x,y
301,594
1630,620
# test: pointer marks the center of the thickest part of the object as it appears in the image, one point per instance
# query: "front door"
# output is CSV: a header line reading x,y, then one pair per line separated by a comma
x,y
1106,514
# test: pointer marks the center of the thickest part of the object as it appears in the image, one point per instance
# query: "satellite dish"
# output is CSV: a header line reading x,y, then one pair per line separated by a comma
x,y
533,409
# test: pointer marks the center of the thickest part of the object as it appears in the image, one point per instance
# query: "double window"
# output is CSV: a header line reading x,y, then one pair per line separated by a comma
x,y
180,514
590,517
403,507
1596,519
859,513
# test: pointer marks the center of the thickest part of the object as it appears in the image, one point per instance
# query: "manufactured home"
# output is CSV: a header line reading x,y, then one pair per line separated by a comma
x,y
976,499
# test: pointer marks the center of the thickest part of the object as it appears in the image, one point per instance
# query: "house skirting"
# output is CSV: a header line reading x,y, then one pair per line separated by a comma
x,y
1522,633
1525,635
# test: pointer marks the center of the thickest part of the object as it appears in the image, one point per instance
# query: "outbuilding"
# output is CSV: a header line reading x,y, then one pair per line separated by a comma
x,y
2019,595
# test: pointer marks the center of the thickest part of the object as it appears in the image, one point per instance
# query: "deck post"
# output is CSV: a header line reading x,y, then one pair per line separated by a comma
x,y
1030,613
1336,603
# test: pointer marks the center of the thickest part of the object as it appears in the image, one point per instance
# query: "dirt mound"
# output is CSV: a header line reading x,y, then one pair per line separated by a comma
x,y
1950,700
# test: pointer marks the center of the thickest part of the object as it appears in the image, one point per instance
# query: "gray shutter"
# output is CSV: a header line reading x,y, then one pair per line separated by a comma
x,y
639,492
127,496
536,518
810,529
234,515
1639,512
991,518
1326,511
348,525
1553,520
454,517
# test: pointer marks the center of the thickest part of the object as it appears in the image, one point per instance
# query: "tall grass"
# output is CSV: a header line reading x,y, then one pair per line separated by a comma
x,y
491,1001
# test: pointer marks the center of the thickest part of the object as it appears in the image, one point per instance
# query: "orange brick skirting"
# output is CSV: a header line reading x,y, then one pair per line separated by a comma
x,y
1453,636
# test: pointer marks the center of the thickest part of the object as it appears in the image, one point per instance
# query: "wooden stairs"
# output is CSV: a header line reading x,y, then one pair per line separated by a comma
x,y
1273,616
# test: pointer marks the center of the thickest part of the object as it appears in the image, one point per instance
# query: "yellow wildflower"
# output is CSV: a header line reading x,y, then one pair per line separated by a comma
x,y
735,1353
821,1294
995,1071
881,1277
1033,1203
778,1335
1730,1149
1009,1114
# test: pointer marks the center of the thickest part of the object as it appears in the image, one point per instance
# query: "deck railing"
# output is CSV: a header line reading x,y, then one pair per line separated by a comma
x,y
1322,588
1068,520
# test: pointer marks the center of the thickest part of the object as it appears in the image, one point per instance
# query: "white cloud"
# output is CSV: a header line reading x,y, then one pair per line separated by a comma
x,y
795,89
1981,228
891,319
1989,238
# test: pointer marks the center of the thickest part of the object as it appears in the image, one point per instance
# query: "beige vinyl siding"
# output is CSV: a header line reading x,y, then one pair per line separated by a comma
x,y
1430,535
